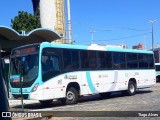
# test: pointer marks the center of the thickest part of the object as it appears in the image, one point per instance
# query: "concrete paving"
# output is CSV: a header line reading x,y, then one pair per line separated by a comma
x,y
18,102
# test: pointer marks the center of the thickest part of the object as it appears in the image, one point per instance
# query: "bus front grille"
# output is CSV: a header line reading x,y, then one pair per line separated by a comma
x,y
18,96
24,84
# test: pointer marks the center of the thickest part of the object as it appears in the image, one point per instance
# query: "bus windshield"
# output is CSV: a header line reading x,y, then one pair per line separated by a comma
x,y
28,68
24,63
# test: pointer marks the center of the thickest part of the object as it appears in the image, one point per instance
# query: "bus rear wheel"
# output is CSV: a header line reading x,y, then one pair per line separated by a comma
x,y
71,96
131,89
158,79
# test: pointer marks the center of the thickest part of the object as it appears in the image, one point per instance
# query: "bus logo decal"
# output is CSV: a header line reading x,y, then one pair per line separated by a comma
x,y
71,77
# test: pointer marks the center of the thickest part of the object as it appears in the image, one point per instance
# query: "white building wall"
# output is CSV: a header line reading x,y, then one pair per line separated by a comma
x,y
48,14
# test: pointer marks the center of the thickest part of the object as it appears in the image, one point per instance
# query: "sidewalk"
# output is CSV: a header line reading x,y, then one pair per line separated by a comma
x,y
13,102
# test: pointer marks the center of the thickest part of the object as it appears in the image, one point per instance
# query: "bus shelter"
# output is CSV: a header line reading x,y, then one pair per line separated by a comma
x,y
9,39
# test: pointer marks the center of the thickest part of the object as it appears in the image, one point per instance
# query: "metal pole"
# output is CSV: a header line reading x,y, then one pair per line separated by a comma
x,y
152,22
21,80
69,23
152,39
92,34
144,42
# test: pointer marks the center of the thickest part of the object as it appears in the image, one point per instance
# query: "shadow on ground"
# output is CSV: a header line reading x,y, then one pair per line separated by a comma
x,y
84,99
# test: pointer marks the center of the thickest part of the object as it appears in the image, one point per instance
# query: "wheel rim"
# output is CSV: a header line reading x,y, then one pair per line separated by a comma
x,y
70,96
132,88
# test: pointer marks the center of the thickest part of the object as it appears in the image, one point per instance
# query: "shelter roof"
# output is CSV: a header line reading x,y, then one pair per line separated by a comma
x,y
9,38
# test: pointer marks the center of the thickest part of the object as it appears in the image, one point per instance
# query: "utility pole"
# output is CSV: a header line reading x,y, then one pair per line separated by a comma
x,y
69,23
152,22
144,43
92,35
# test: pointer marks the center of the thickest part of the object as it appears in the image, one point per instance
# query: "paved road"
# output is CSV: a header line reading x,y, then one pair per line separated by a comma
x,y
145,100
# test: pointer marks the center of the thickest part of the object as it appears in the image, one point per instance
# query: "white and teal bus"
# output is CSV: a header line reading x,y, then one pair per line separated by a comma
x,y
65,72
157,65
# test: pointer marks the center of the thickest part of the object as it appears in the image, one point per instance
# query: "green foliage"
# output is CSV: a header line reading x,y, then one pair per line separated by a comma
x,y
25,22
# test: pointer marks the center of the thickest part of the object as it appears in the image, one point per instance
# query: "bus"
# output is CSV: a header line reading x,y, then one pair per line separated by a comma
x,y
50,71
157,65
157,55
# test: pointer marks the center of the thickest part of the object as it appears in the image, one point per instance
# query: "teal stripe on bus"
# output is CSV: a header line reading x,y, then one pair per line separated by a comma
x,y
90,84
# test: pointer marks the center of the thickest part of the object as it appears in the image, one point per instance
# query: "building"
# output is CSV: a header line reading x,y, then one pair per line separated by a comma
x,y
52,16
139,46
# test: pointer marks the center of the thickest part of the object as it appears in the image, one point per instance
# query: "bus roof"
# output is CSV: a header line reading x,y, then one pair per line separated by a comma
x,y
98,47
90,47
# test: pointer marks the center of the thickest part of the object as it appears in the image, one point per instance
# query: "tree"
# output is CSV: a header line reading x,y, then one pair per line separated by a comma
x,y
25,22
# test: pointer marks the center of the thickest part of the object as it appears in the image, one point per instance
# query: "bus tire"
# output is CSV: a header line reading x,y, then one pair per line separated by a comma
x,y
131,88
105,95
158,79
45,102
71,96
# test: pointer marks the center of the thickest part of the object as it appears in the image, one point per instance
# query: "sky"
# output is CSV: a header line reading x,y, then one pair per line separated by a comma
x,y
113,22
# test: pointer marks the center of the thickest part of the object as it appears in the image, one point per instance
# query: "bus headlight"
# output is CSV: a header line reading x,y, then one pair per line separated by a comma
x,y
35,87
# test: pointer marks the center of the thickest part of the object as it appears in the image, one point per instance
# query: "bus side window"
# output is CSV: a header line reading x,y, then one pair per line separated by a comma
x,y
119,60
84,59
50,65
55,62
108,59
75,59
151,61
47,64
101,60
143,60
67,60
92,61
132,61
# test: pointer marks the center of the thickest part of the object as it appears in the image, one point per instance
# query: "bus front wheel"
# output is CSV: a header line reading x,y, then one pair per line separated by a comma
x,y
71,96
